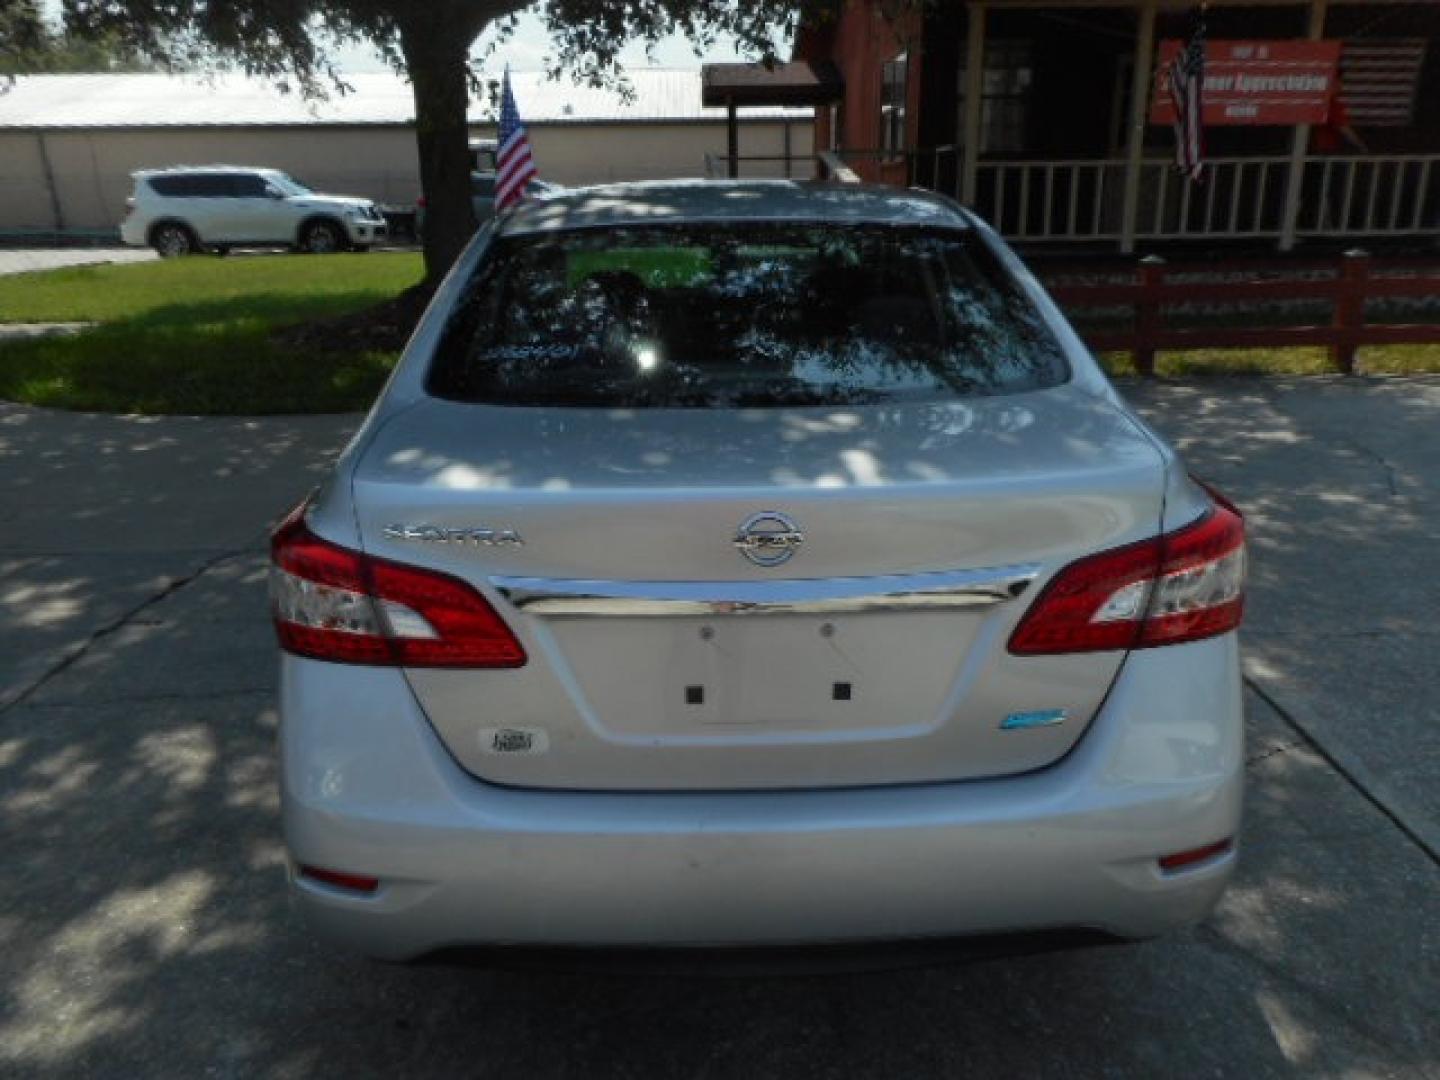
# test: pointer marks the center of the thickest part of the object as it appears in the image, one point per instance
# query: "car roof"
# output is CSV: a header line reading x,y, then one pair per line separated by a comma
x,y
675,201
171,170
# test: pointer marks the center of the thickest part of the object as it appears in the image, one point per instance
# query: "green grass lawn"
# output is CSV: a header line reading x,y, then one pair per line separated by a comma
x,y
1370,360
194,335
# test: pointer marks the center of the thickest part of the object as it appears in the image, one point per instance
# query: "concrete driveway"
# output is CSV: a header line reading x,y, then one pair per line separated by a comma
x,y
143,929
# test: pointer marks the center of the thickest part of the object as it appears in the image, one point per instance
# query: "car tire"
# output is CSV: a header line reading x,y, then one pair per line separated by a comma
x,y
322,238
170,239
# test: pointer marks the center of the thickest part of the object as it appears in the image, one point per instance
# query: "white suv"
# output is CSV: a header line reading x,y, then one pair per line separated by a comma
x,y
183,210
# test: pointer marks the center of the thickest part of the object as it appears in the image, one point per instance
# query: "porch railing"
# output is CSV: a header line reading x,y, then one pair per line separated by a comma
x,y
1371,196
1078,200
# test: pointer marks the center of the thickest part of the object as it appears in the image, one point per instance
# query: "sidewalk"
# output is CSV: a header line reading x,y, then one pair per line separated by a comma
x,y
26,260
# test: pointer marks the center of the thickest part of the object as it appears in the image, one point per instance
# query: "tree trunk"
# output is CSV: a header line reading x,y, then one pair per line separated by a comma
x,y
436,52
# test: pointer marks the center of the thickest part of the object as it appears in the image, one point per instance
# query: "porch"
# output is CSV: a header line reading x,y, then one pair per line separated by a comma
x,y
1054,96
1090,201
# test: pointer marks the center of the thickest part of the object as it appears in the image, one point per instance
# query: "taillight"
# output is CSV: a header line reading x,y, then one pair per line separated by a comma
x,y
1182,586
331,603
340,879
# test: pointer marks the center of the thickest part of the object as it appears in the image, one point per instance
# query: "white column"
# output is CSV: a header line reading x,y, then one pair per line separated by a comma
x,y
1299,144
1141,83
974,92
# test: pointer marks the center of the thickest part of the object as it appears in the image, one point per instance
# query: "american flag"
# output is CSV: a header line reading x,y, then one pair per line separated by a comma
x,y
1186,82
516,166
1379,78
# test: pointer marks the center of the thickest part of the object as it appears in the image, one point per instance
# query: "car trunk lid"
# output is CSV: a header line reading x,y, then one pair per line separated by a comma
x,y
662,657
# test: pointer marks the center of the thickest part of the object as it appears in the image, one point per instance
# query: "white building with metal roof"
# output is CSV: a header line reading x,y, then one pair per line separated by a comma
x,y
68,143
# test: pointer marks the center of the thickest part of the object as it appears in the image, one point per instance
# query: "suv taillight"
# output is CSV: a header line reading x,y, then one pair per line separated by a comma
x,y
1183,586
331,603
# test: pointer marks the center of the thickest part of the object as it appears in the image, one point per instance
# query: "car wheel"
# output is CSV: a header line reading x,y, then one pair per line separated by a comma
x,y
322,238
172,240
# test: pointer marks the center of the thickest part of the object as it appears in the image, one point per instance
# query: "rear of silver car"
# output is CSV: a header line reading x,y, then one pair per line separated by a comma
x,y
594,638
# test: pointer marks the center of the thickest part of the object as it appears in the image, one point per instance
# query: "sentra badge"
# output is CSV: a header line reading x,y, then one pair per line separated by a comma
x,y
441,534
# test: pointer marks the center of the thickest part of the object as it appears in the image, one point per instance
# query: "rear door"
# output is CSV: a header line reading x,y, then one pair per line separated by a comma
x,y
194,198
249,213
216,206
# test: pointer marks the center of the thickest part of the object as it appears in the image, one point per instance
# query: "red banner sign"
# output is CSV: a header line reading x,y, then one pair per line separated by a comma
x,y
1256,82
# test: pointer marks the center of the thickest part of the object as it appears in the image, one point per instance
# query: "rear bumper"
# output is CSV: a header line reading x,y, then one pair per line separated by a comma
x,y
133,232
368,788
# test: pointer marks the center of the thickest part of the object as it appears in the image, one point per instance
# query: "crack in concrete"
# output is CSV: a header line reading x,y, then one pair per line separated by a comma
x,y
1379,459
1275,751
258,547
1272,396
1308,634
143,699
1290,720
1319,996
115,625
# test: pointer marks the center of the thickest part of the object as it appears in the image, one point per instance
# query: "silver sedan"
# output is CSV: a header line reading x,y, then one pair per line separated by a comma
x,y
754,564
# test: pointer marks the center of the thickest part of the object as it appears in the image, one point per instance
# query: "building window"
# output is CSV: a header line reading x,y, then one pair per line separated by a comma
x,y
893,87
1005,97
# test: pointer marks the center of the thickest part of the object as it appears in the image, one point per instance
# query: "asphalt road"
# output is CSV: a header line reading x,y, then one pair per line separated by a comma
x,y
143,927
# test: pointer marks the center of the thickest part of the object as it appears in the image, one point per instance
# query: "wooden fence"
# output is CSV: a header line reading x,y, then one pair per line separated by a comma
x,y
1346,282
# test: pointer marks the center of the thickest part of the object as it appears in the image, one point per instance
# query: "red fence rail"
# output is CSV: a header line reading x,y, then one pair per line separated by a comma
x,y
1349,281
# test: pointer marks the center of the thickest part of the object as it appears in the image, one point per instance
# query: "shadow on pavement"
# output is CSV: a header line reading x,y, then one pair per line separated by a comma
x,y
143,925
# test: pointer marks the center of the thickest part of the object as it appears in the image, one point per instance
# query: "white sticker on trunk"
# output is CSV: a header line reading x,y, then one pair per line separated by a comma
x,y
510,740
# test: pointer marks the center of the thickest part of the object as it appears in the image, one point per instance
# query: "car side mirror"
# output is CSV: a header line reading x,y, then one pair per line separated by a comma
x,y
273,193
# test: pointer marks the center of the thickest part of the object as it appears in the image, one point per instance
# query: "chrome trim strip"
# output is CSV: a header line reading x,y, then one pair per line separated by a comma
x,y
951,590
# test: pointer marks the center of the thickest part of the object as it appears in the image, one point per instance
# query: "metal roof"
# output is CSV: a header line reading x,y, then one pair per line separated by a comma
x,y
128,101
668,202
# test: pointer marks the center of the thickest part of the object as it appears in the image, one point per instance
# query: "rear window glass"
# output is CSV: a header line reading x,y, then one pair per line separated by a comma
x,y
753,316
170,185
192,185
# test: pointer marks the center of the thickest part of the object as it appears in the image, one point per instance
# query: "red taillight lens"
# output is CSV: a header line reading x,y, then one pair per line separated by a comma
x,y
1201,588
340,879
331,603
1182,586
1182,859
422,202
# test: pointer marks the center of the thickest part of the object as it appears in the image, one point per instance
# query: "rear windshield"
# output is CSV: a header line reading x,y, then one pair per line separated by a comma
x,y
752,316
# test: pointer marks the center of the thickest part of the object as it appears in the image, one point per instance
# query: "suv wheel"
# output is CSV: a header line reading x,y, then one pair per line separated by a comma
x,y
322,238
172,240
